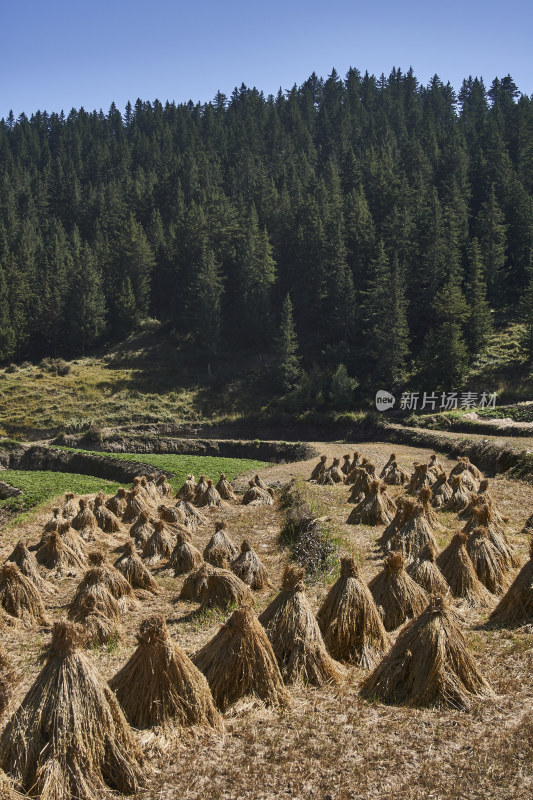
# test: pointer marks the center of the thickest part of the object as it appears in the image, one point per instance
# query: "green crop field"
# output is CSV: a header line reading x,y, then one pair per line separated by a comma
x,y
41,487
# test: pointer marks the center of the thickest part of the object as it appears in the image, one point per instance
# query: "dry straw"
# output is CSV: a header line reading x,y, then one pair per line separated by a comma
x,y
430,664
117,503
115,581
72,538
425,496
95,583
395,475
27,564
375,509
239,661
210,498
456,566
195,584
350,623
142,529
249,568
160,544
160,684
201,487
69,738
171,514
516,606
134,505
461,495
107,521
186,492
295,636
421,477
488,563
70,507
333,474
396,594
164,489
132,568
442,491
224,589
319,468
55,554
415,533
19,596
85,522
224,488
361,485
193,518
425,572
255,496
220,547
99,629
53,522
7,681
185,557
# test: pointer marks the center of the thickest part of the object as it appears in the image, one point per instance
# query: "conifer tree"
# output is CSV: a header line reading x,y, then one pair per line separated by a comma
x,y
444,356
525,310
287,359
7,334
491,230
479,324
205,305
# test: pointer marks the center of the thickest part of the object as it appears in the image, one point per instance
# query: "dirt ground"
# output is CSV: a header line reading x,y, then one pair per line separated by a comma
x,y
330,744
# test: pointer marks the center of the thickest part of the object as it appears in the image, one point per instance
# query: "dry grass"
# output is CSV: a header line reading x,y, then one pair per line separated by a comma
x,y
396,594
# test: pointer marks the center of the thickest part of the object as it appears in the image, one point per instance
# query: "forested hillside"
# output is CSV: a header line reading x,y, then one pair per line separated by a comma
x,y
371,223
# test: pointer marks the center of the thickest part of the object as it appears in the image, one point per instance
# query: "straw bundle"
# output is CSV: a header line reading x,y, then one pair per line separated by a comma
x,y
117,504
295,636
55,554
395,475
487,561
114,580
429,664
210,498
72,538
130,565
19,597
461,495
224,589
85,522
425,572
239,661
186,492
173,515
415,533
392,460
193,518
361,485
333,473
160,684
220,546
249,568
99,629
95,583
425,496
224,489
483,517
435,466
69,738
375,509
7,681
404,509
516,606
464,463
201,487
442,491
421,477
27,564
185,557
134,505
319,469
195,584
255,496
456,566
260,482
349,621
105,518
164,489
70,507
53,522
159,545
142,529
396,594
346,464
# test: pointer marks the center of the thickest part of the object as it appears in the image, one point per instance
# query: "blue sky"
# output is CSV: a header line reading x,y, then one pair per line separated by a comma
x,y
57,55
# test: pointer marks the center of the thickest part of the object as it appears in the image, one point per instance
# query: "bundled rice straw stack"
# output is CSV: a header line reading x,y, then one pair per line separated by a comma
x,y
69,738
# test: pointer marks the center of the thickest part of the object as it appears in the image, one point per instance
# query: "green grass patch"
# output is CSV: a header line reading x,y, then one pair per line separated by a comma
x,y
40,488
182,465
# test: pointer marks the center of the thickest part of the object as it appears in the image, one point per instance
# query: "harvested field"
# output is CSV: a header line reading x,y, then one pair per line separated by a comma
x,y
328,742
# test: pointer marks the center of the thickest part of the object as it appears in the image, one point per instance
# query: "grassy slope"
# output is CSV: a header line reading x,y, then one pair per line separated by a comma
x,y
40,487
149,379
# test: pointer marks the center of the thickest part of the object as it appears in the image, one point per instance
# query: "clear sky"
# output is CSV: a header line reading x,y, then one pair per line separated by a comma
x,y
61,54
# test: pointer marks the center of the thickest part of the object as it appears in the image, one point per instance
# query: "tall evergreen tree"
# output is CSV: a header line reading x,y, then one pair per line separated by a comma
x,y
288,370
7,334
479,324
205,306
